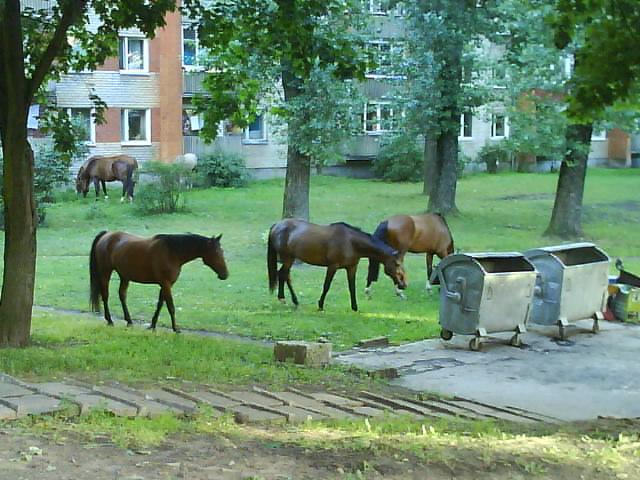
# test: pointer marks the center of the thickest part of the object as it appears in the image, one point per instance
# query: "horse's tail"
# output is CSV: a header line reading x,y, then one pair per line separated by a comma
x,y
272,262
94,275
380,233
450,248
131,168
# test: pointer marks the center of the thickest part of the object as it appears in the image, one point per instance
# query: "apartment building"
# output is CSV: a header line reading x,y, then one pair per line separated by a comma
x,y
150,85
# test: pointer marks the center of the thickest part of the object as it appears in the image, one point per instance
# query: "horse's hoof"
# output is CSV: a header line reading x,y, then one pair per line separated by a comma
x,y
367,292
282,301
355,309
121,199
151,327
176,330
109,324
129,324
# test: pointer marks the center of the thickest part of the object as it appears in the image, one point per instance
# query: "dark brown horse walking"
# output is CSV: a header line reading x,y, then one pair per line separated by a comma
x,y
148,260
334,246
100,169
427,233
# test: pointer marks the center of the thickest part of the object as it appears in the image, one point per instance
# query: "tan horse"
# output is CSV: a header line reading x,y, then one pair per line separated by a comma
x,y
335,246
427,233
100,169
147,260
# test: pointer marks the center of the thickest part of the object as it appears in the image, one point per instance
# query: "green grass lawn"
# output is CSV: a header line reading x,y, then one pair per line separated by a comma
x,y
502,212
498,213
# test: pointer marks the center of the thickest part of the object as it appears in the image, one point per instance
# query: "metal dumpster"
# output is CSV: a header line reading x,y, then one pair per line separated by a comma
x,y
572,284
483,293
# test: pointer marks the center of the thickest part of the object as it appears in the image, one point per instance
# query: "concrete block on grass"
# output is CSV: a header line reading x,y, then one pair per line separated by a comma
x,y
311,354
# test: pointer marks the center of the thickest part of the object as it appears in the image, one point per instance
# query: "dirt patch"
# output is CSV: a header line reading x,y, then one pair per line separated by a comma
x,y
527,196
628,211
26,456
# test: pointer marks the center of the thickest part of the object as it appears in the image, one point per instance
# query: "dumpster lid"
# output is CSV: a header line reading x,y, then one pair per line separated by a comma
x,y
492,262
570,253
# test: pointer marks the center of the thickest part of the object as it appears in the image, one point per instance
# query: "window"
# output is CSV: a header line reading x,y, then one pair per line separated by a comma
x,y
256,131
136,126
379,117
190,47
385,55
599,134
499,126
134,55
83,118
466,125
377,7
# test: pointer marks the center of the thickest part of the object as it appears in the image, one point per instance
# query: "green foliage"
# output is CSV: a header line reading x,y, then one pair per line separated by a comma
x,y
304,49
399,160
164,192
493,154
222,169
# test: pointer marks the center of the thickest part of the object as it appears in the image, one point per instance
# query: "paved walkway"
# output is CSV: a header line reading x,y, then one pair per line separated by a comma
x,y
584,377
18,399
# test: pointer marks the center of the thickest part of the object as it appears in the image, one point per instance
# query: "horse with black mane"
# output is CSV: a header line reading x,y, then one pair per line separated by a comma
x,y
427,233
155,260
335,246
100,169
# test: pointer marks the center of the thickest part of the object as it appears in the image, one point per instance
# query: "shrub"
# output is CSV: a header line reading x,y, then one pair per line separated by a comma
x,y
492,154
222,169
399,160
163,192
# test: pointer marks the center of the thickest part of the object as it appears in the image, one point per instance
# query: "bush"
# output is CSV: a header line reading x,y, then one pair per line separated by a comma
x,y
163,193
492,154
222,169
49,173
399,160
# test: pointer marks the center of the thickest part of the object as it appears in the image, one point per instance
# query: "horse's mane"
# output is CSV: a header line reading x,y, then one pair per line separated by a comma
x,y
379,242
93,159
181,241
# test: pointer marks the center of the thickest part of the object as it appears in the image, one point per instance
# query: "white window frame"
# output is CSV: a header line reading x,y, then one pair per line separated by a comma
x,y
263,139
92,122
145,55
493,126
461,135
197,67
599,135
124,118
376,8
378,130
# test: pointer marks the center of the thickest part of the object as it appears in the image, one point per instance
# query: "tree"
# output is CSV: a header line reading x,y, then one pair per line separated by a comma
x,y
441,37
35,47
306,46
606,72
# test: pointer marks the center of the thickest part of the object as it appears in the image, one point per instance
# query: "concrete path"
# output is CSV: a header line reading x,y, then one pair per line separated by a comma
x,y
18,399
583,377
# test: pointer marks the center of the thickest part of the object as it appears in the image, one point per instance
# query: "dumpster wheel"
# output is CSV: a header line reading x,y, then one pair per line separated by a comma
x,y
475,345
516,341
562,332
446,334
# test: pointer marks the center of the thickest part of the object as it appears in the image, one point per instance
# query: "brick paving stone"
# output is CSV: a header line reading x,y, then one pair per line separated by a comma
x,y
491,412
400,404
370,411
296,414
255,398
13,390
336,400
7,413
95,401
213,399
171,399
146,406
58,389
34,404
452,409
244,414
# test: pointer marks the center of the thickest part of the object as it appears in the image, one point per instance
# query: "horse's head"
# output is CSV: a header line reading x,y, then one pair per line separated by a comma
x,y
82,182
214,257
394,269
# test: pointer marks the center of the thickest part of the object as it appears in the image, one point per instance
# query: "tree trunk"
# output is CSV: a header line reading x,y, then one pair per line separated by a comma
x,y
430,157
566,219
20,240
296,185
443,194
297,182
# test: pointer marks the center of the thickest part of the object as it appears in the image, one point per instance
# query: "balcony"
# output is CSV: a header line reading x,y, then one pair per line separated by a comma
x,y
192,83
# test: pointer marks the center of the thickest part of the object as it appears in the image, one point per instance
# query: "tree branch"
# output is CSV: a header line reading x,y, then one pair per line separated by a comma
x,y
71,10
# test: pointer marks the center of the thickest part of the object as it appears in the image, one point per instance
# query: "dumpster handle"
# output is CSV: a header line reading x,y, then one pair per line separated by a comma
x,y
456,295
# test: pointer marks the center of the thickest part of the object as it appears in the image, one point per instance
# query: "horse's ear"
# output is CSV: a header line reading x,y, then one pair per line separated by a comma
x,y
395,253
218,238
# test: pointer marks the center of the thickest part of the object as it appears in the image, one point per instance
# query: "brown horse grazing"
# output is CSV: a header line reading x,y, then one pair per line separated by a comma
x,y
335,246
427,233
100,169
147,260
